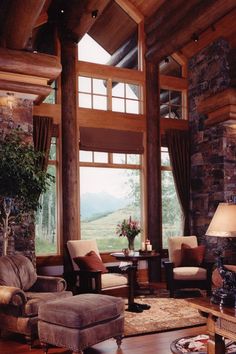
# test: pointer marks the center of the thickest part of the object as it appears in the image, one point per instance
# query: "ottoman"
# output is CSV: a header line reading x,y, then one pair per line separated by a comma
x,y
81,321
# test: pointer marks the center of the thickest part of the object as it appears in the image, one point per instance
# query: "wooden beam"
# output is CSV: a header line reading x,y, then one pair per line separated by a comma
x,y
103,71
222,28
174,18
35,64
41,20
48,110
78,20
131,10
219,108
153,160
22,16
70,141
168,123
221,99
37,92
174,83
123,51
95,118
162,14
206,13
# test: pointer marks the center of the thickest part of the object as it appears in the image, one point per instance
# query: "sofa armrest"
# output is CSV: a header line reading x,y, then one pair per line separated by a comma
x,y
10,295
48,284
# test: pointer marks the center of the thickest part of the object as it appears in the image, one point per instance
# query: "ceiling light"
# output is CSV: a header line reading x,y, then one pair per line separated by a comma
x,y
195,37
94,13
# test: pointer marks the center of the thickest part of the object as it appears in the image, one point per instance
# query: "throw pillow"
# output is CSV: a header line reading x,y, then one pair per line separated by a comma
x,y
192,256
90,261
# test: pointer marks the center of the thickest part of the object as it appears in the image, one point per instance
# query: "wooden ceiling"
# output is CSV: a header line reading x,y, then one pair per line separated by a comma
x,y
169,25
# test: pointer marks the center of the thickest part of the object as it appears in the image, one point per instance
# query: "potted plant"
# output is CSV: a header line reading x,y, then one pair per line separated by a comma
x,y
21,181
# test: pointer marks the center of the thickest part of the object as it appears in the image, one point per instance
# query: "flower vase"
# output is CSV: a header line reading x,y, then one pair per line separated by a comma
x,y
131,243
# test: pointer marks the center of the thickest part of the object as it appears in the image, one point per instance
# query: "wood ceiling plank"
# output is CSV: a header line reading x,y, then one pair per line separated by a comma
x,y
199,19
22,16
113,28
147,8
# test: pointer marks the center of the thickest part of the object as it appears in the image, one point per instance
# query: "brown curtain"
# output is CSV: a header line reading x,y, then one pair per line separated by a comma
x,y
42,133
111,140
179,149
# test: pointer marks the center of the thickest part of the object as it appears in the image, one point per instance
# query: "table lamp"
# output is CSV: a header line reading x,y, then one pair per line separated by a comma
x,y
223,224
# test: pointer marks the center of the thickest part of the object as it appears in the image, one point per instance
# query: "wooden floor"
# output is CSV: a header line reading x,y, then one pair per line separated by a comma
x,y
149,344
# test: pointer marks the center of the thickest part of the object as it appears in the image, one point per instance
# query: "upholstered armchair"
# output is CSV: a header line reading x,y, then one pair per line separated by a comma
x,y
186,267
89,274
22,291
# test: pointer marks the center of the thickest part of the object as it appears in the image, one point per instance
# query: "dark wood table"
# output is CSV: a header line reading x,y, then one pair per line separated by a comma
x,y
221,323
134,259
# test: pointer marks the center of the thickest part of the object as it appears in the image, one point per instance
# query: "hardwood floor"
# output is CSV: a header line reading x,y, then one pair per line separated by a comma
x,y
149,344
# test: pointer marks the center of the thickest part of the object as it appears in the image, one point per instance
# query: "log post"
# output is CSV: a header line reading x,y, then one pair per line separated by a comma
x,y
70,177
153,162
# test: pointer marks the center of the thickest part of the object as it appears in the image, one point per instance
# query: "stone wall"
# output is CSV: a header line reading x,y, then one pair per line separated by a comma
x,y
213,150
17,113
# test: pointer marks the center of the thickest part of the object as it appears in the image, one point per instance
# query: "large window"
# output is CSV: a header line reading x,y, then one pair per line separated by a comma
x,y
171,211
46,216
110,191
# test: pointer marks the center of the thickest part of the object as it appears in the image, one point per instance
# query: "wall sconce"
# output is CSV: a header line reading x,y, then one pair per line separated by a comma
x,y
94,13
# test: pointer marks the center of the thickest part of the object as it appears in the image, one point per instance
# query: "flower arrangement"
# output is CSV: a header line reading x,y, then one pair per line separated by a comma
x,y
129,228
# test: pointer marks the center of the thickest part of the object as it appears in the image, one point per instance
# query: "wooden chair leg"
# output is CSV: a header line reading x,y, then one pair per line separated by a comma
x,y
45,347
118,341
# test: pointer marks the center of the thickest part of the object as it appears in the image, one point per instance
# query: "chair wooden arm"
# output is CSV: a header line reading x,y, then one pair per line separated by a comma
x,y
169,266
90,281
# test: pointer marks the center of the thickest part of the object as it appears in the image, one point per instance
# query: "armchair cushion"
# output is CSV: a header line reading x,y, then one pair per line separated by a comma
x,y
189,273
110,280
192,256
17,271
90,261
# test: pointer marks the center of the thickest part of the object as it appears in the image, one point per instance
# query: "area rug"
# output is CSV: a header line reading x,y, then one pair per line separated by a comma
x,y
165,314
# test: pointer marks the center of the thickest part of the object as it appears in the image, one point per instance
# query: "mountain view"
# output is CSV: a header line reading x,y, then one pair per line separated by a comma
x,y
95,205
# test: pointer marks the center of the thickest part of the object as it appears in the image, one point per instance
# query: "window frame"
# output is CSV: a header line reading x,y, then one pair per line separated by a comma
x,y
111,164
58,197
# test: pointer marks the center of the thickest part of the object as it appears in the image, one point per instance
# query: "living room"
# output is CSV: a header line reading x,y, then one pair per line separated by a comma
x,y
131,106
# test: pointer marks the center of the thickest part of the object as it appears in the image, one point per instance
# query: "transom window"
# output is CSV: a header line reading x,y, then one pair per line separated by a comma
x,y
106,94
171,104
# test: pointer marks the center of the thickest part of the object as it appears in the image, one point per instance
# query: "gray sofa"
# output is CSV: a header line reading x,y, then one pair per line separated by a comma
x,y
22,291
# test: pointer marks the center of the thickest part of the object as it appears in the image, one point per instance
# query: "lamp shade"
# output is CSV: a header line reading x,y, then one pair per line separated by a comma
x,y
223,223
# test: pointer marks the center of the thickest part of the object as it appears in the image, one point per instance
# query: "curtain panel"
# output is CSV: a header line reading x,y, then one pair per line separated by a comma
x,y
178,144
42,133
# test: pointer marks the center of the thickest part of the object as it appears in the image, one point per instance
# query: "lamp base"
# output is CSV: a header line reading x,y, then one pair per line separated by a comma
x,y
223,297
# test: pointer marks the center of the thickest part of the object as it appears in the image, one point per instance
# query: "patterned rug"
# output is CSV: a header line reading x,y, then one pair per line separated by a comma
x,y
165,314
